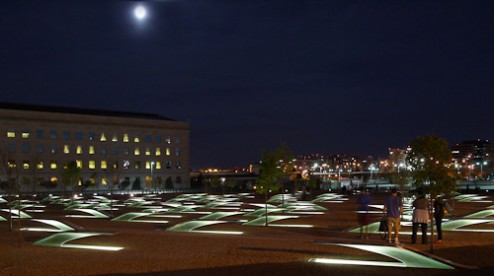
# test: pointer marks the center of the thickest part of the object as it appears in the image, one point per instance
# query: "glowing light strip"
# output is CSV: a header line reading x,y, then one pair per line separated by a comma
x,y
219,232
191,226
306,213
220,215
406,257
481,214
455,224
93,214
60,227
17,213
355,262
261,221
166,216
61,240
293,225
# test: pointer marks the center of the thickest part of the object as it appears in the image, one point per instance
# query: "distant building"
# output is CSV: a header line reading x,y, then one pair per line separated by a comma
x,y
132,150
473,151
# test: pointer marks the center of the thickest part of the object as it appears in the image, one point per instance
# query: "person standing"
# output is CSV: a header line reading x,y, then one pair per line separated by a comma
x,y
363,199
393,208
420,217
438,217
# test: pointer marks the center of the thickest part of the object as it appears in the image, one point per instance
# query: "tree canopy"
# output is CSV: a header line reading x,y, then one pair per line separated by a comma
x,y
275,169
429,160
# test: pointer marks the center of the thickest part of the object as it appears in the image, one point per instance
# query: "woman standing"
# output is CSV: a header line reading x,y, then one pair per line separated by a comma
x,y
420,216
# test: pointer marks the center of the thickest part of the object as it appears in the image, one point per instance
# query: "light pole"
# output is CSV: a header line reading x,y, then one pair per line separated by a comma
x,y
371,169
152,180
481,168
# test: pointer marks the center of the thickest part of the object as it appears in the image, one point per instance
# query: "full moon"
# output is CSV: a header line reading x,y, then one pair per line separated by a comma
x,y
140,12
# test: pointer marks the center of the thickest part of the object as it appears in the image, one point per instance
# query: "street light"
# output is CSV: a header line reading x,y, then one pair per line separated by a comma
x,y
152,182
372,168
481,168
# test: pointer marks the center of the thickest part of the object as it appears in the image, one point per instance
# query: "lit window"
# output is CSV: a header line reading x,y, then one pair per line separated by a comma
x,y
79,149
104,165
79,163
114,138
126,164
167,151
10,134
126,138
148,151
136,140
115,165
137,165
11,163
66,149
53,164
103,137
92,164
40,165
158,151
158,165
53,179
168,139
91,150
137,151
104,181
25,134
148,165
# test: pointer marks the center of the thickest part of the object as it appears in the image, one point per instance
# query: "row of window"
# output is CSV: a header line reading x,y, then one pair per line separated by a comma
x,y
103,164
115,150
104,180
93,136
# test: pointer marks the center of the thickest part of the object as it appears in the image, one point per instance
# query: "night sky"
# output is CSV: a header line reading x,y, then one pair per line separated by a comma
x,y
355,77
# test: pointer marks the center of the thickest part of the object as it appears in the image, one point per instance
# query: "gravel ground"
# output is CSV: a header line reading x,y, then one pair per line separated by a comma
x,y
149,249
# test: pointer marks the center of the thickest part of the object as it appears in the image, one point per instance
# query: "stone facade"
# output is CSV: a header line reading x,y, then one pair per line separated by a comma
x,y
117,150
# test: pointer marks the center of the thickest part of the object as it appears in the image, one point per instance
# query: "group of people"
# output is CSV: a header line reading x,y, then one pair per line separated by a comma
x,y
393,210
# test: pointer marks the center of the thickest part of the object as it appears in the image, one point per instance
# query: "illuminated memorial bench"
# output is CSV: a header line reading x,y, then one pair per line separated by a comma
x,y
63,239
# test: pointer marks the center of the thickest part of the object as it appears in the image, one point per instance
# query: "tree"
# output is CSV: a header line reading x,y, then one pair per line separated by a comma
x,y
71,175
169,183
429,160
275,169
113,178
9,179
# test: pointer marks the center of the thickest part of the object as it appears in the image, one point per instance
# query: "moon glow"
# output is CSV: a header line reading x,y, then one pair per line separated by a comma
x,y
140,12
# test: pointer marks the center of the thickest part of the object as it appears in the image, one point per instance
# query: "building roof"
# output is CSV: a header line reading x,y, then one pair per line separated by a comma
x,y
81,111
